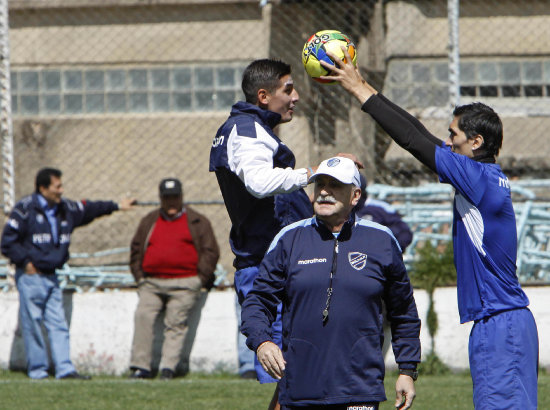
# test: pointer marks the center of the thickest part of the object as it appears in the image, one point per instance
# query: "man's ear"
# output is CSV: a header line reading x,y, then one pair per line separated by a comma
x,y
263,96
356,195
478,142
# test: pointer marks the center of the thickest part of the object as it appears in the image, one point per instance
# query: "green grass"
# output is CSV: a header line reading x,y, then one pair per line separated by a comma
x,y
224,392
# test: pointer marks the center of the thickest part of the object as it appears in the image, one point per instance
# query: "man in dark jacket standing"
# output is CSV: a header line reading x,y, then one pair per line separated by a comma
x,y
332,272
36,239
173,255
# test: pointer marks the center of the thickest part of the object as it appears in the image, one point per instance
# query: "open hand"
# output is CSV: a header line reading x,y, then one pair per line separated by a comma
x,y
348,76
404,392
127,203
271,359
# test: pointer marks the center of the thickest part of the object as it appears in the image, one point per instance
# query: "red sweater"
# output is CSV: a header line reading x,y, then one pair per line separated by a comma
x,y
170,251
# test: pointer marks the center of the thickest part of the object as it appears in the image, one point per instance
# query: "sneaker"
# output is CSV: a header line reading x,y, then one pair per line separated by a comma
x,y
166,374
76,376
140,374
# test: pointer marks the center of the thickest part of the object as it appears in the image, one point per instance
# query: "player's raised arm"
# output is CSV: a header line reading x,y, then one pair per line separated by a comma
x,y
349,77
404,129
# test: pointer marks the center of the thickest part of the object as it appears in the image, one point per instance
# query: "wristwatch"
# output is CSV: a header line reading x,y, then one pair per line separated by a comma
x,y
409,372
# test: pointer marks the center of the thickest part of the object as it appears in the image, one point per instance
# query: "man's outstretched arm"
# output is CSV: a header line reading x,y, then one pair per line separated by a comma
x,y
402,127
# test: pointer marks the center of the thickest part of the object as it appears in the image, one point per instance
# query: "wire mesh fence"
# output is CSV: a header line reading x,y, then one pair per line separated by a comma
x,y
119,94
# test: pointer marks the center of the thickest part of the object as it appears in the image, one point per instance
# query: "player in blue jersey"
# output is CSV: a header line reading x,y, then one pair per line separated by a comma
x,y
503,345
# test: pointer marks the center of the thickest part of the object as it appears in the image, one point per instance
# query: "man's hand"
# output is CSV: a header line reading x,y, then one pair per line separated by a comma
x,y
271,359
30,269
127,203
358,163
348,76
404,392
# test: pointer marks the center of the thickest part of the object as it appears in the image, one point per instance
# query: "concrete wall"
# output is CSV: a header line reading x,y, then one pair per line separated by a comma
x,y
102,330
419,28
118,35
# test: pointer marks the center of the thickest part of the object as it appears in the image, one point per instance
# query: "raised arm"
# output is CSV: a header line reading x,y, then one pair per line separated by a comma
x,y
401,126
402,131
412,119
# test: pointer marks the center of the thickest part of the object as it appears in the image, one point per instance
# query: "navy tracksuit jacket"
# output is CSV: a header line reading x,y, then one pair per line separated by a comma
x,y
339,361
27,235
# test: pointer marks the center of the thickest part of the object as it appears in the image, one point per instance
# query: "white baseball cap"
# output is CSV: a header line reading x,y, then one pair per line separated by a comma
x,y
341,168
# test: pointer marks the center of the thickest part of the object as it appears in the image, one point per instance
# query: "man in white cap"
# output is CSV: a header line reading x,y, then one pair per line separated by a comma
x,y
332,272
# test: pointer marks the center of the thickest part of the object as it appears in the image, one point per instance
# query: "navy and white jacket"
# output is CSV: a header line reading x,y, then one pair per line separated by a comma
x,y
339,361
261,189
27,235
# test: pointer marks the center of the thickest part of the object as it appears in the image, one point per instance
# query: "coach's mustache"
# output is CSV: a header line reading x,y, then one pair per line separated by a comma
x,y
329,198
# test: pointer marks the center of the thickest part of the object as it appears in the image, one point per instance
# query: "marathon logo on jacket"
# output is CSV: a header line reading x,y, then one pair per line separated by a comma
x,y
361,407
41,238
310,261
357,260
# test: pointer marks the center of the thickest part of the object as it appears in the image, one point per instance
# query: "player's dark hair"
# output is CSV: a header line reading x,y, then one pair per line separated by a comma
x,y
44,177
478,118
264,73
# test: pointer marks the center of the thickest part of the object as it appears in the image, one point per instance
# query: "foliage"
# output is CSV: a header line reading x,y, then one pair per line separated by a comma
x,y
92,362
433,267
432,365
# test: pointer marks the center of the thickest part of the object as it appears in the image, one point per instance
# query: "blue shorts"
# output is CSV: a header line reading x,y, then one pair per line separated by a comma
x,y
504,354
244,279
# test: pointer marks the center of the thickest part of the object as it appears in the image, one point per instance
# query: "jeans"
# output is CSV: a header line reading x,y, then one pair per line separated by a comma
x,y
41,301
246,356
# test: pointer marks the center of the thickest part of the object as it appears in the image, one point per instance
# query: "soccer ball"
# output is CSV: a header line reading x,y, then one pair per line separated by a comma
x,y
316,48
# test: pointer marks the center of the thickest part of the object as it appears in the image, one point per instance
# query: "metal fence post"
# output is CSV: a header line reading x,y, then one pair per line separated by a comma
x,y
6,128
454,53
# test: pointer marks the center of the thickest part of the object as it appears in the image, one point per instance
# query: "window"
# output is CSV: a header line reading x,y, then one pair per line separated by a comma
x,y
425,82
132,90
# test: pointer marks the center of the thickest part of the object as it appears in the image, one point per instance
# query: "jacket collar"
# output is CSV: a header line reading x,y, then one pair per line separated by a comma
x,y
44,204
172,218
38,206
269,117
485,158
345,232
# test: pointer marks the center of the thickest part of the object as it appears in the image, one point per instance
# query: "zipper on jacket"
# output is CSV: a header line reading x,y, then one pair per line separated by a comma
x,y
332,272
